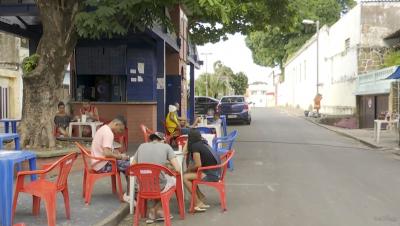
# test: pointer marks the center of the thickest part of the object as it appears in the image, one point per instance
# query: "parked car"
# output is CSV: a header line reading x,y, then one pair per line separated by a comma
x,y
235,108
205,105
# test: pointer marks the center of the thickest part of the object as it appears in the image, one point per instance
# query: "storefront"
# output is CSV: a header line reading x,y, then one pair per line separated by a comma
x,y
372,93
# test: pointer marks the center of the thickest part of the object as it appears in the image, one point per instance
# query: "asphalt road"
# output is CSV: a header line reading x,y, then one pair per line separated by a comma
x,y
290,172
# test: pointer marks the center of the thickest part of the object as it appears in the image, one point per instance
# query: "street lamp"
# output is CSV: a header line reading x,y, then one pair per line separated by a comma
x,y
206,54
307,21
317,98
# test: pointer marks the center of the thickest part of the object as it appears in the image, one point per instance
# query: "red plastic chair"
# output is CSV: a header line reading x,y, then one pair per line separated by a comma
x,y
219,185
46,189
90,176
181,140
146,132
148,177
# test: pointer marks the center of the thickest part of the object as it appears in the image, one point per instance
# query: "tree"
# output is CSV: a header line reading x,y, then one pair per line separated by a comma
x,y
239,83
273,45
64,21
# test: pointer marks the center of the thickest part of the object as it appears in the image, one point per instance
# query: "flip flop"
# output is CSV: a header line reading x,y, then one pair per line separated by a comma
x,y
162,218
199,209
150,221
205,206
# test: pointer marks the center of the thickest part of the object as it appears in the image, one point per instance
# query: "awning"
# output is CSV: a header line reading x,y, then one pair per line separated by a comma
x,y
395,75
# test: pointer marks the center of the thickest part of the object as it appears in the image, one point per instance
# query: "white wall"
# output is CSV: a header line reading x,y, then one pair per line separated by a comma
x,y
258,94
337,69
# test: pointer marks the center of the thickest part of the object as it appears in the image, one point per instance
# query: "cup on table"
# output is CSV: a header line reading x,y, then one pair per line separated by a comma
x,y
83,118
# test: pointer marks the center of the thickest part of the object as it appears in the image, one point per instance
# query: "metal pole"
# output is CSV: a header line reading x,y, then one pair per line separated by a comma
x,y
206,75
317,56
206,54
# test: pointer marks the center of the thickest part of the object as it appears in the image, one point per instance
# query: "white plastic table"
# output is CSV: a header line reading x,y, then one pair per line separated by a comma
x,y
378,125
93,126
217,128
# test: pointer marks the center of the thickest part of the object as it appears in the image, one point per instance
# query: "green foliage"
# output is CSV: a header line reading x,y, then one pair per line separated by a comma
x,y
211,23
222,82
209,20
273,45
239,83
109,18
29,63
392,59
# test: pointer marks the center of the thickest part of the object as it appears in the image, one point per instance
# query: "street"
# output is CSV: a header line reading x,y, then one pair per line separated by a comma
x,y
290,172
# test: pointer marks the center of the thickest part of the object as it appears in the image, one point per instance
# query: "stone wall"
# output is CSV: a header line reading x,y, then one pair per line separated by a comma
x,y
371,58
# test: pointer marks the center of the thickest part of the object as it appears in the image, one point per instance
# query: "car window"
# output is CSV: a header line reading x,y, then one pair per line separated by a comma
x,y
232,99
201,100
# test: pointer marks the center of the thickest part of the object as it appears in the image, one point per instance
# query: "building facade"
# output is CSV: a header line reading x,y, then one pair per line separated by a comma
x,y
352,46
13,50
257,94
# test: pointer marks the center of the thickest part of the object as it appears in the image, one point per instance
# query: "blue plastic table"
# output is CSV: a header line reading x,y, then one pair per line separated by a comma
x,y
7,122
9,136
7,161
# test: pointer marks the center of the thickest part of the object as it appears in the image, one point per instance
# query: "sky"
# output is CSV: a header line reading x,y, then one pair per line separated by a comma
x,y
234,54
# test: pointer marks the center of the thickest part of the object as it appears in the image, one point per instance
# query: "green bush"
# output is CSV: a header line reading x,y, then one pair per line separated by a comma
x,y
30,63
392,58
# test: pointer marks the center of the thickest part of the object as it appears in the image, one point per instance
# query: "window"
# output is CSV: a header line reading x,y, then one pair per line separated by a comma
x,y
201,100
253,92
4,102
347,44
263,92
300,72
232,99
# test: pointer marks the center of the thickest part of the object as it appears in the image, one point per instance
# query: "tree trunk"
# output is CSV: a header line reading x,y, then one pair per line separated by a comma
x,y
42,88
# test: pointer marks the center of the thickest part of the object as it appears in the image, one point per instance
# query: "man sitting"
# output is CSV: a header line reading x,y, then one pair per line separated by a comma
x,y
157,152
102,146
62,120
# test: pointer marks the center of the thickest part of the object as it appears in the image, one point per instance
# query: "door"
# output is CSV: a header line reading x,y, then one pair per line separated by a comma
x,y
382,102
367,111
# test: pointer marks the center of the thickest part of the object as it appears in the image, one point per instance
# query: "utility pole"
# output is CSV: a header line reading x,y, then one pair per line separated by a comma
x,y
206,54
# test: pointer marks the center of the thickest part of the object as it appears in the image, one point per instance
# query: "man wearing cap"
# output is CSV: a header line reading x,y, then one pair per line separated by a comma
x,y
157,152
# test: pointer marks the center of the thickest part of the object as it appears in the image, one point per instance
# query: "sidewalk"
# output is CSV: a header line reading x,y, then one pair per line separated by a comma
x,y
389,140
105,207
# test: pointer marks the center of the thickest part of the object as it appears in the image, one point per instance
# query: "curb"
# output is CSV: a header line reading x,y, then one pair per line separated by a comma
x,y
116,217
369,144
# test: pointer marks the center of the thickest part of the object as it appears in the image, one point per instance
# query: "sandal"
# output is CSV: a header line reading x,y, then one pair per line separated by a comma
x,y
205,206
149,221
199,209
162,218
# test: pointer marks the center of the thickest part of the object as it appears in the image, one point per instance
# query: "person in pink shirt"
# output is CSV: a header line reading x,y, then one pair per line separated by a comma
x,y
102,146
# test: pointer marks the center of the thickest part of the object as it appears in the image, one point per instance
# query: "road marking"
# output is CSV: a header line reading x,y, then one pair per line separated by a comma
x,y
248,185
271,188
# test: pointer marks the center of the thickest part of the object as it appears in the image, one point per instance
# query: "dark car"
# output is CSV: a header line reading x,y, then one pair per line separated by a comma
x,y
235,108
204,105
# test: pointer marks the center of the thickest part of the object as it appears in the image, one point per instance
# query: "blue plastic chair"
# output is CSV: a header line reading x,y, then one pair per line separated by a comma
x,y
223,144
223,124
